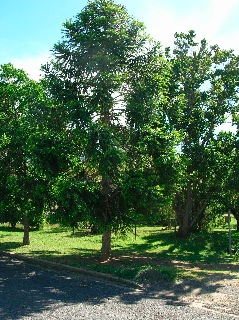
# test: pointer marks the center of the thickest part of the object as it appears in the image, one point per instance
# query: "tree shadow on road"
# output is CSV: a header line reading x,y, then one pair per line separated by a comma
x,y
27,290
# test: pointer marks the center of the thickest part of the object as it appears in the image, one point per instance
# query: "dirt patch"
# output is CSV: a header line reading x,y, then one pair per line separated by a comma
x,y
215,291
225,299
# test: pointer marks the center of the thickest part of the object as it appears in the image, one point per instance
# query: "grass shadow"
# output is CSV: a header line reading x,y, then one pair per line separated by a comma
x,y
8,246
203,247
10,229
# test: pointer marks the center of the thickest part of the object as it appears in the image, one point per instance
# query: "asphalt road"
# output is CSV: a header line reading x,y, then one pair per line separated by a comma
x,y
31,292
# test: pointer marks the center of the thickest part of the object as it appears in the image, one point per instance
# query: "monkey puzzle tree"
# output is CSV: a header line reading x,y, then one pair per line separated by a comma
x,y
90,80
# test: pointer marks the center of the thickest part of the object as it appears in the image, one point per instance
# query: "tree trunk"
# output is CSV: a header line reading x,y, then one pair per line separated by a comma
x,y
106,185
106,245
26,237
94,229
236,216
106,237
183,230
184,226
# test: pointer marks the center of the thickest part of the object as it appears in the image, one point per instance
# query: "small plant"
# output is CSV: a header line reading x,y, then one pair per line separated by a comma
x,y
156,274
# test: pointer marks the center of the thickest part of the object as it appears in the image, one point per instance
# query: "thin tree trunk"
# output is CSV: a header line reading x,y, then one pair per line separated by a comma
x,y
201,211
106,237
26,237
106,245
186,214
236,215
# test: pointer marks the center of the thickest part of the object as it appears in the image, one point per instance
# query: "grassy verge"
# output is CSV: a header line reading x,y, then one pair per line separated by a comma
x,y
154,250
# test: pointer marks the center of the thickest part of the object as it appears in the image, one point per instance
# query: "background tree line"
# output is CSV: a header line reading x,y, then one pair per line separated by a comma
x,y
118,131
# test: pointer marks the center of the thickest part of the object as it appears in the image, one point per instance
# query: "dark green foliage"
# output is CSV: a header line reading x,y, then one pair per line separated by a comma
x,y
203,91
19,181
117,132
108,81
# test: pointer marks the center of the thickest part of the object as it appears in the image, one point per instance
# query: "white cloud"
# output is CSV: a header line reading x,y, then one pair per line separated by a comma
x,y
227,126
160,22
31,65
216,17
209,19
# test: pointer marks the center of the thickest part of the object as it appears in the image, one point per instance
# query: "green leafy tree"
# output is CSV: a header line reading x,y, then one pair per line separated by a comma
x,y
233,181
21,198
151,150
203,92
92,79
224,164
229,195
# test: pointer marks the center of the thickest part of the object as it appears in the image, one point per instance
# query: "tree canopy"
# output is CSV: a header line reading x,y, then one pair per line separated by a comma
x,y
106,78
203,92
118,131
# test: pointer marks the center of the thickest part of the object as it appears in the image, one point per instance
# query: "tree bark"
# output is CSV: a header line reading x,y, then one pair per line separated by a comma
x,y
184,226
26,237
236,215
106,245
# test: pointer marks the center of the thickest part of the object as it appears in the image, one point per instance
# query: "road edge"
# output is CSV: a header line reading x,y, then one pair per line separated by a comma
x,y
63,267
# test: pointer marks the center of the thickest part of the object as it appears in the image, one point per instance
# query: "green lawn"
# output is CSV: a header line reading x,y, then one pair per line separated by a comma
x,y
153,248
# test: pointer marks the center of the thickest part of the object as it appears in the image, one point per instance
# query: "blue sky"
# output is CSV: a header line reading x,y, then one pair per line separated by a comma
x,y
29,28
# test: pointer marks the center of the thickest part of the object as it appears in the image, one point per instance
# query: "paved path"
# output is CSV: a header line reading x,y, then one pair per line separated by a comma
x,y
31,292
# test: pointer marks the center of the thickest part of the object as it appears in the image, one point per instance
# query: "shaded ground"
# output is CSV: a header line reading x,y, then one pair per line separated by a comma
x,y
209,290
30,292
215,291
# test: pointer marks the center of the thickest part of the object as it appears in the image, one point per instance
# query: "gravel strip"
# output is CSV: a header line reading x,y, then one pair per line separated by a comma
x,y
32,292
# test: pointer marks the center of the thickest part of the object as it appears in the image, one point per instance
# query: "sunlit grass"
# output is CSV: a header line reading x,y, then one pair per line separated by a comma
x,y
152,249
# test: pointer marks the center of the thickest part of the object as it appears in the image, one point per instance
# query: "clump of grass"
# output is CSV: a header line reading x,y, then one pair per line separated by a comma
x,y
156,274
